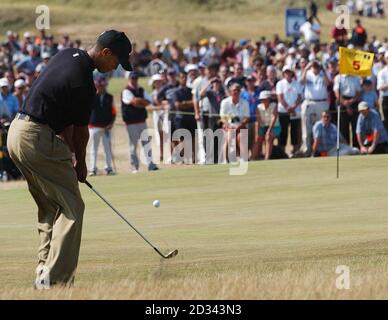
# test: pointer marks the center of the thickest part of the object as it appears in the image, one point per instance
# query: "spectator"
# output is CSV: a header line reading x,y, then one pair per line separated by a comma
x,y
369,94
211,97
184,114
133,109
251,95
267,126
45,59
8,98
20,92
31,62
100,126
289,94
360,4
315,93
371,134
145,55
134,58
382,86
5,114
380,9
325,139
190,53
159,111
234,113
340,35
238,76
311,31
347,90
359,35
213,53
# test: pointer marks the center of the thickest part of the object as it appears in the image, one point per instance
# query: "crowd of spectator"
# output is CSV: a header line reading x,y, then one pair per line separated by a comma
x,y
366,8
284,92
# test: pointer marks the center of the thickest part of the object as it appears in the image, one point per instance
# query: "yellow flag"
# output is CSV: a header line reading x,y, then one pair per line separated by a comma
x,y
355,62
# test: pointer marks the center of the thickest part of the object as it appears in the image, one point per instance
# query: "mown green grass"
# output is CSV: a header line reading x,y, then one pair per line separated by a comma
x,y
279,231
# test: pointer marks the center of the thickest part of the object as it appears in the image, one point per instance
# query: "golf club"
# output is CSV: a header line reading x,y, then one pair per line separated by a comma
x,y
167,256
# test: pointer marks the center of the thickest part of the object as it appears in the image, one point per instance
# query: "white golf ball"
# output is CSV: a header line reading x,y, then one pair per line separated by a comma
x,y
156,203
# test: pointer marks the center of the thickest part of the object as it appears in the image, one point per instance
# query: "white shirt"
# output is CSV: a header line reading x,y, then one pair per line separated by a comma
x,y
315,87
310,31
349,85
128,96
229,110
266,115
382,79
290,91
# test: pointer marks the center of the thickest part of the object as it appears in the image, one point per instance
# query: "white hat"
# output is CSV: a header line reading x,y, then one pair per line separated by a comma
x,y
9,33
266,94
363,106
46,55
191,67
4,82
287,68
158,43
386,54
19,83
166,41
291,50
280,46
155,77
213,40
376,44
381,50
27,34
350,46
39,68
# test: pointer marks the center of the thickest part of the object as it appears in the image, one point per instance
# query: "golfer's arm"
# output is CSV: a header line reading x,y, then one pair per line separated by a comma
x,y
80,141
67,136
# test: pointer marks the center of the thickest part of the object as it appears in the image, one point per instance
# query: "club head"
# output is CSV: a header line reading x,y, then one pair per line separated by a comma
x,y
172,254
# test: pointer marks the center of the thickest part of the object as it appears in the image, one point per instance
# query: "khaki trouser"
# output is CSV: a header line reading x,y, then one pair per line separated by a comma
x,y
311,113
45,161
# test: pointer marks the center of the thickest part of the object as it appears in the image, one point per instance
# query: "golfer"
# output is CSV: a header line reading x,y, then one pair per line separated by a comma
x,y
47,141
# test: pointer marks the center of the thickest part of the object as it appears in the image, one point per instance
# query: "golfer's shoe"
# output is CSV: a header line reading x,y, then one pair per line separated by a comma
x,y
42,280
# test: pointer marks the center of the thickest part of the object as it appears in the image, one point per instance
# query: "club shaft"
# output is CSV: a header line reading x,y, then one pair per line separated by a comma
x,y
122,217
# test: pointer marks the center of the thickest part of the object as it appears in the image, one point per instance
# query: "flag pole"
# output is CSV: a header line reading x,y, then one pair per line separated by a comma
x,y
338,123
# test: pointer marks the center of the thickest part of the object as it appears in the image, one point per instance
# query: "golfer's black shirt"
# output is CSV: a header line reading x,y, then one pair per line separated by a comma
x,y
64,92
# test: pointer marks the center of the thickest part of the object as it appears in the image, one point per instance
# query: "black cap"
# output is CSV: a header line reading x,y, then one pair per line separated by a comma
x,y
119,44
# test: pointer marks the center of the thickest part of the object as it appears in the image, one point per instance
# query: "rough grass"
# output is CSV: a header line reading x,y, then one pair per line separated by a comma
x,y
155,19
278,232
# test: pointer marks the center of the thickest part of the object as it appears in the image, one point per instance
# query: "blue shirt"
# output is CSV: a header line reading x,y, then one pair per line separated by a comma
x,y
253,100
29,64
327,136
370,124
11,102
370,97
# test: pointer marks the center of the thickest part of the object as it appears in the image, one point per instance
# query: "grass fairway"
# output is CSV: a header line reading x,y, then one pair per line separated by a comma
x,y
278,232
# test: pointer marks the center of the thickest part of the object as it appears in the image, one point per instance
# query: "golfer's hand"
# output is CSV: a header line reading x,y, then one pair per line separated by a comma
x,y
81,170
